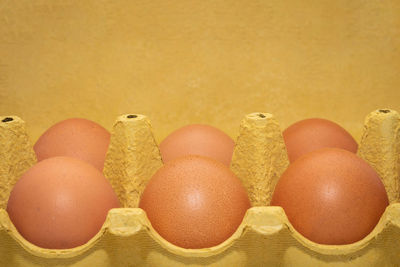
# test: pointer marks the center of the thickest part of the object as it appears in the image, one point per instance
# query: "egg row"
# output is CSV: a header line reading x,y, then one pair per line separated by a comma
x,y
196,201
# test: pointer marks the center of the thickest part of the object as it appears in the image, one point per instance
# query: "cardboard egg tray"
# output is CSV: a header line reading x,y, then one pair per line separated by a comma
x,y
265,237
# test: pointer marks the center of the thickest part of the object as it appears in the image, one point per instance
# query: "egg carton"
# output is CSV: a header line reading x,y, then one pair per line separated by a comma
x,y
264,238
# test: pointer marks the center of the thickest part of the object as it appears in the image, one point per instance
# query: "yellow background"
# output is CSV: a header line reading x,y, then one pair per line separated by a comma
x,y
181,62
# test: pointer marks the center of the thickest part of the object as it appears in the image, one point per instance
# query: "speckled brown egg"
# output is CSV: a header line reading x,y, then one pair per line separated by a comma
x,y
198,139
60,203
313,134
76,137
331,196
195,202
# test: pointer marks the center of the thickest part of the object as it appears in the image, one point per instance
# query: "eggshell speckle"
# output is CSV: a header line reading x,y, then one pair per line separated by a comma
x,y
313,134
198,139
60,203
195,202
78,138
331,196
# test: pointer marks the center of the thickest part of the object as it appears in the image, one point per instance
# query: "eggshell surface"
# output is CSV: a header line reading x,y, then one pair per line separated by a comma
x,y
195,202
312,134
331,196
76,137
198,139
60,203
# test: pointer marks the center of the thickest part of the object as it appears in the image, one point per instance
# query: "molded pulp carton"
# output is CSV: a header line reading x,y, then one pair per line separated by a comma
x,y
265,237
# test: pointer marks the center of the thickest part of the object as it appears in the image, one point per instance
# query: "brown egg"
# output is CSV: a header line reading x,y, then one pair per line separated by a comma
x,y
60,203
198,139
77,138
331,196
313,134
195,202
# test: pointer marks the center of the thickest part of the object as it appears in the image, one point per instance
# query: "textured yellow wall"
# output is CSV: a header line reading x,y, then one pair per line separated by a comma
x,y
182,62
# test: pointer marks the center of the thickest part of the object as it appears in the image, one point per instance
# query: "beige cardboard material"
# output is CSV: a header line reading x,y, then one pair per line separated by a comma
x,y
187,61
265,237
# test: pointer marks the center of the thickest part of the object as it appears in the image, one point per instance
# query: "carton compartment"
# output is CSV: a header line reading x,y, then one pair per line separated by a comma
x,y
265,237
